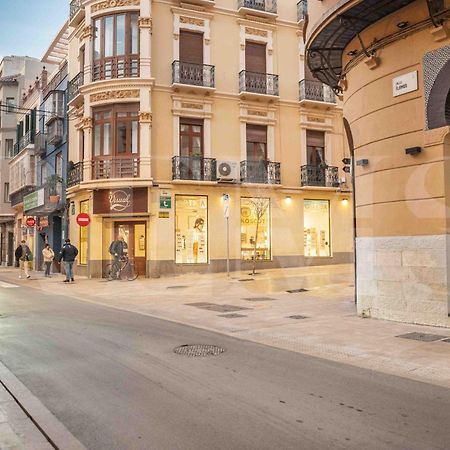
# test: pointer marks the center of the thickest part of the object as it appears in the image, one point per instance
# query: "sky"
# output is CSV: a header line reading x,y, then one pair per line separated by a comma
x,y
27,27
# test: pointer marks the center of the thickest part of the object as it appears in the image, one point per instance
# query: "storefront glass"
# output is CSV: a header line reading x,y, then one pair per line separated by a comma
x,y
317,228
84,208
191,229
251,210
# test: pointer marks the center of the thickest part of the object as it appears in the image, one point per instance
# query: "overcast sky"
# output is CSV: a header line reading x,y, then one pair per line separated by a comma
x,y
27,27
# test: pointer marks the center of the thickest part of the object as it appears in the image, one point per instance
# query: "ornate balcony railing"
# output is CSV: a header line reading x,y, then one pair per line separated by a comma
x,y
195,168
74,174
75,6
263,172
269,6
302,10
193,74
327,176
73,88
17,197
24,141
115,168
259,83
55,81
116,67
317,91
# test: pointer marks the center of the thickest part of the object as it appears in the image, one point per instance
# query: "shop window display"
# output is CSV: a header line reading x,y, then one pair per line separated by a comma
x,y
317,228
191,234
251,208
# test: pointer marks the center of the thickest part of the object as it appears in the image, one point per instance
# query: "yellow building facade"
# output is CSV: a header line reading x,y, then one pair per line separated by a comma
x,y
190,117
390,62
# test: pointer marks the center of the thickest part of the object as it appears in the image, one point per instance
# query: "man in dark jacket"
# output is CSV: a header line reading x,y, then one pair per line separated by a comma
x,y
118,248
23,256
68,254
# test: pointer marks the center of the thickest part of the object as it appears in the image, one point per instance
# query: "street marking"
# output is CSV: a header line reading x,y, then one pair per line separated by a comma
x,y
7,285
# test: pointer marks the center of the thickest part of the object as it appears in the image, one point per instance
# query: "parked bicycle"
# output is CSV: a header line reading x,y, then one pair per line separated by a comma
x,y
122,269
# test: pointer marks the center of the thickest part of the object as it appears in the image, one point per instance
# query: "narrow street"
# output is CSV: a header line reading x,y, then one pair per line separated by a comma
x,y
112,378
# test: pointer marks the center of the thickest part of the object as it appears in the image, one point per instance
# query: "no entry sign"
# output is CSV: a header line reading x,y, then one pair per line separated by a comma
x,y
83,219
31,222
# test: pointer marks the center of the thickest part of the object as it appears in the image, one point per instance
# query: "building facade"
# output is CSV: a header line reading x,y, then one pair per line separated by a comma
x,y
17,73
173,128
390,62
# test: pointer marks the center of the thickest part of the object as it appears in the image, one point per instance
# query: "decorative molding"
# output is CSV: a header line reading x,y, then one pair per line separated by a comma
x,y
192,21
113,4
435,136
255,32
87,32
145,117
87,122
113,95
252,112
192,106
315,119
145,22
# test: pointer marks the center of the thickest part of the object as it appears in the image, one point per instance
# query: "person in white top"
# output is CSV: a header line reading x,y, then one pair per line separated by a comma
x,y
48,255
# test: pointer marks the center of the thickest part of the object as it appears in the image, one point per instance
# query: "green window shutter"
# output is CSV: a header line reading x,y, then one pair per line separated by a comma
x,y
33,124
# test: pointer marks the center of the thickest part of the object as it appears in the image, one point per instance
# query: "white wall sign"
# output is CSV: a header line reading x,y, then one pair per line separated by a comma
x,y
405,83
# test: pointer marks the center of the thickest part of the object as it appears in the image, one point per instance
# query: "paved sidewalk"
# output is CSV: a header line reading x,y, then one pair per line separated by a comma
x,y
329,330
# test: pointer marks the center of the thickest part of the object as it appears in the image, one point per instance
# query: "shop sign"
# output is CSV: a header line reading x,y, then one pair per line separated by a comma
x,y
405,83
31,222
43,222
83,219
165,202
34,200
120,201
163,215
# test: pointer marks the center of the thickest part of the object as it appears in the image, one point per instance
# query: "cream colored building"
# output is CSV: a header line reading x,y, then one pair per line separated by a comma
x,y
391,63
175,104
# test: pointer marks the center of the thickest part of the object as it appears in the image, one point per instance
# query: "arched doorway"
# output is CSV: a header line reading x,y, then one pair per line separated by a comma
x,y
438,105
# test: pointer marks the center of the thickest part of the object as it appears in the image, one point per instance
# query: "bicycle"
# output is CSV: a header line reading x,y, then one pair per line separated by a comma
x,y
122,269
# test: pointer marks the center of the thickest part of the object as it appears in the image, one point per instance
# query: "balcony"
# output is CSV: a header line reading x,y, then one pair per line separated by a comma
x,y
24,142
73,89
258,84
76,13
45,199
302,11
316,176
193,168
40,143
17,197
261,172
316,92
265,8
55,132
55,81
115,168
74,174
190,75
116,67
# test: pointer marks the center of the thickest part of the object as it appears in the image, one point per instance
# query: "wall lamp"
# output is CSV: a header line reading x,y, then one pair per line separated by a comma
x,y
402,24
413,150
362,162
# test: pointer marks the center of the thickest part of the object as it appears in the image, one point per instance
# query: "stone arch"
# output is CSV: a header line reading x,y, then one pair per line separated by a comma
x,y
438,108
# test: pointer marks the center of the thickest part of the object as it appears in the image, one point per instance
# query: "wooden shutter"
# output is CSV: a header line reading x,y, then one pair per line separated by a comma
x,y
257,133
315,138
255,57
191,47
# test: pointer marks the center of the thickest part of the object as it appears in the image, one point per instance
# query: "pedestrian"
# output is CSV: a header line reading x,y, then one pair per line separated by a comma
x,y
68,254
49,256
23,256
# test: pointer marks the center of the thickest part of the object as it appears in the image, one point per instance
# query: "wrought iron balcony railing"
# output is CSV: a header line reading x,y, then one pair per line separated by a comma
x,y
116,67
326,176
269,6
17,197
302,10
259,83
195,168
55,81
193,74
75,83
115,168
263,172
24,141
74,174
316,91
75,6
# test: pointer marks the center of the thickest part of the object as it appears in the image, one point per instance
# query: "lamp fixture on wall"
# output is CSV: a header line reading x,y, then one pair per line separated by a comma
x,y
413,150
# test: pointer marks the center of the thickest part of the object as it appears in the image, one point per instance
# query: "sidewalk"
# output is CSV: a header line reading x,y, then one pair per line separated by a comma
x,y
259,309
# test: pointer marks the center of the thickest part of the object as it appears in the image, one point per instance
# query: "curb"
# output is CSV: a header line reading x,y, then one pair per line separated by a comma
x,y
58,436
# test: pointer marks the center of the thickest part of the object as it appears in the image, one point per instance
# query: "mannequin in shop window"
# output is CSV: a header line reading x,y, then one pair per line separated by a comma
x,y
197,241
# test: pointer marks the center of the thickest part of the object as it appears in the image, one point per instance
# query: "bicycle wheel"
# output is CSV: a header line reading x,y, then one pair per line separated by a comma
x,y
131,272
108,272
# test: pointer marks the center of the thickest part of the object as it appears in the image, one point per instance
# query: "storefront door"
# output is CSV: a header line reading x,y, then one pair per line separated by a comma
x,y
134,234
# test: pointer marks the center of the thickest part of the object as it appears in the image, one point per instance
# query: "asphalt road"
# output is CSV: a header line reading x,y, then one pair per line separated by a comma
x,y
113,379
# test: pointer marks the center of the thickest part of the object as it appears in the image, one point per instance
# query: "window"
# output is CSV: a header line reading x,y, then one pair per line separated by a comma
x,y
255,57
315,148
256,142
10,104
191,137
317,228
191,229
9,148
116,46
191,47
6,193
255,228
84,208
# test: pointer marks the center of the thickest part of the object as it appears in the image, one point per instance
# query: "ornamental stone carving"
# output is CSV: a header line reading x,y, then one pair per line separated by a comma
x,y
86,122
192,105
192,21
113,4
145,117
257,113
255,32
88,32
145,22
114,95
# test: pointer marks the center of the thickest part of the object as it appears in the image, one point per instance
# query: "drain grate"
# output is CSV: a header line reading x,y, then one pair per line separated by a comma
x,y
297,317
259,299
176,287
294,291
232,316
218,308
195,350
424,337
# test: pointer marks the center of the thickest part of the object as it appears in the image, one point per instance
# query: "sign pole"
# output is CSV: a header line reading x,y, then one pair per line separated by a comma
x,y
226,213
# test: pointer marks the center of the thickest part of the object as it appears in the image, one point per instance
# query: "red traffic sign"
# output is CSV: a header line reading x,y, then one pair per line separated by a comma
x,y
31,222
83,219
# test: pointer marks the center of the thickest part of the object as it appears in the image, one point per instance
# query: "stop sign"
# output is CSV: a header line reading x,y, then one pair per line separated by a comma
x,y
83,219
31,222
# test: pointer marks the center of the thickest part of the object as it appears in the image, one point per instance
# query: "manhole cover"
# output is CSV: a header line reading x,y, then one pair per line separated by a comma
x,y
297,317
217,308
259,299
176,287
194,350
231,316
424,337
294,291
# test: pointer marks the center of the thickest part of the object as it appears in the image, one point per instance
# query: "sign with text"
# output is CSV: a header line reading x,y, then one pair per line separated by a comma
x,y
164,215
405,83
165,202
43,221
33,200
121,201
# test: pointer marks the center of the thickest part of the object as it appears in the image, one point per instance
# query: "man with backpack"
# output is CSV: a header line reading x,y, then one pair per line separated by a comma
x,y
68,254
23,256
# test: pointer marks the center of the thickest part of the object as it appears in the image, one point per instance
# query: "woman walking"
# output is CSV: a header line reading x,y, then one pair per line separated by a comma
x,y
48,255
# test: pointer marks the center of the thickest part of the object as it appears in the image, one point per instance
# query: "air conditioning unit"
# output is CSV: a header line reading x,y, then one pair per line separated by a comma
x,y
228,171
